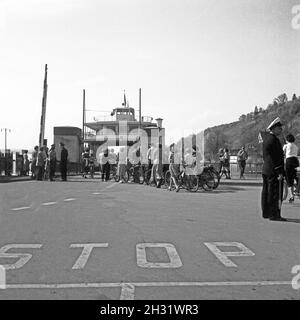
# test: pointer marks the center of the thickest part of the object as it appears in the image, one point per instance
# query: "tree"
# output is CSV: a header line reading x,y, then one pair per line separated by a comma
x,y
214,140
256,111
282,99
248,117
271,106
294,97
242,117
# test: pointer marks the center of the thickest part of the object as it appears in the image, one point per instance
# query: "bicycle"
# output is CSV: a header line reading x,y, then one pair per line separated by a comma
x,y
206,179
146,172
135,174
296,187
215,174
113,173
186,181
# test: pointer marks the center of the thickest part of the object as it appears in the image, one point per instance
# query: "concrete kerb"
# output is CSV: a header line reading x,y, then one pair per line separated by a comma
x,y
5,179
237,182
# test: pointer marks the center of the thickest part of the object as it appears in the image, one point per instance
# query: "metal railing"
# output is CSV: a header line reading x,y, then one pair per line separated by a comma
x,y
252,169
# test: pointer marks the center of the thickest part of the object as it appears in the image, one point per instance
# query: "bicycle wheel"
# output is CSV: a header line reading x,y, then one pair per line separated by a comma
x,y
167,178
130,175
216,177
126,176
192,183
152,182
146,176
141,178
208,181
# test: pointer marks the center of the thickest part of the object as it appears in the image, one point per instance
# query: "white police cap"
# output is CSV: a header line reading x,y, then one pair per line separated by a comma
x,y
274,123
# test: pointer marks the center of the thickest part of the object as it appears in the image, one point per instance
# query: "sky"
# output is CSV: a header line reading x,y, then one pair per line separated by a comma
x,y
199,63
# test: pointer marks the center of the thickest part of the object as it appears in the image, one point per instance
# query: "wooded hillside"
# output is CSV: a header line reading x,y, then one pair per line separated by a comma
x,y
245,131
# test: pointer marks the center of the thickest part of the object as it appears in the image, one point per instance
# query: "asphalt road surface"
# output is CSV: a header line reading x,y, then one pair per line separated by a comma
x,y
86,239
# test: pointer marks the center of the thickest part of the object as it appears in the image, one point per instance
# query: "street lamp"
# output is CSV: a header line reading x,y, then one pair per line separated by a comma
x,y
159,123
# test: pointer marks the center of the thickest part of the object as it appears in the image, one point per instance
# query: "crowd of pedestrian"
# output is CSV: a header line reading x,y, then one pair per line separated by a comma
x,y
224,162
121,162
44,161
278,162
152,169
118,164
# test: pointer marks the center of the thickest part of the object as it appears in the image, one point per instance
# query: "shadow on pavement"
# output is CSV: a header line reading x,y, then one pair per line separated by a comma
x,y
293,220
87,181
211,192
224,189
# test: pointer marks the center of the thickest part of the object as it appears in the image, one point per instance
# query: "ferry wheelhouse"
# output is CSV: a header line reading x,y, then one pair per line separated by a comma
x,y
122,128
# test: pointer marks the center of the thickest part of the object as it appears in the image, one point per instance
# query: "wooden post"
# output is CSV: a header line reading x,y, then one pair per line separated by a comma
x,y
140,107
43,115
83,118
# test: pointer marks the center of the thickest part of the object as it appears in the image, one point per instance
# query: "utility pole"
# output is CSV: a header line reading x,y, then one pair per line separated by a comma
x,y
5,152
140,107
5,133
43,116
83,117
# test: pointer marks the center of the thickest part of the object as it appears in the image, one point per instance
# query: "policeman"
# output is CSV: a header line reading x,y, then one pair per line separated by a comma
x,y
63,161
272,172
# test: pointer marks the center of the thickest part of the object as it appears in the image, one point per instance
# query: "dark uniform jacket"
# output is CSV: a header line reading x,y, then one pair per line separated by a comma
x,y
64,155
273,155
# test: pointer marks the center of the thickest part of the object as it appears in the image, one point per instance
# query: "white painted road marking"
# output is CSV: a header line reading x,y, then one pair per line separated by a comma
x,y
127,292
223,256
127,289
48,203
21,208
23,257
96,193
175,261
2,277
147,284
111,186
43,204
296,278
87,249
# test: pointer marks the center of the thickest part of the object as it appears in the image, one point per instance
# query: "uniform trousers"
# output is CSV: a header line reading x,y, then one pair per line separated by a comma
x,y
270,196
63,170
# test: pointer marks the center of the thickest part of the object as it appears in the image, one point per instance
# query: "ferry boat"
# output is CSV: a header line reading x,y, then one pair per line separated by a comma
x,y
120,127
